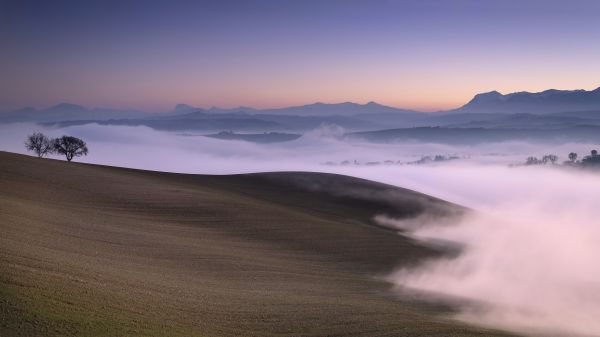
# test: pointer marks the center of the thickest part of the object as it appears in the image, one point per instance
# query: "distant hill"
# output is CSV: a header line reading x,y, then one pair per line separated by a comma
x,y
184,124
549,101
65,112
314,109
189,118
263,138
184,117
185,109
342,109
478,135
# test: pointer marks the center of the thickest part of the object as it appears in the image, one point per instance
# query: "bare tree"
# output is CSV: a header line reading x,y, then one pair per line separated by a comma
x,y
549,158
40,144
70,147
594,153
572,157
532,161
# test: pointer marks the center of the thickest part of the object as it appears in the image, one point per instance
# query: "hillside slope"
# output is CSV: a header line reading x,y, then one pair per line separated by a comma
x,y
90,250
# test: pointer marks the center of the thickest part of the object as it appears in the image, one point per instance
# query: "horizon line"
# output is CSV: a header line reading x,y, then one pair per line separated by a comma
x,y
420,110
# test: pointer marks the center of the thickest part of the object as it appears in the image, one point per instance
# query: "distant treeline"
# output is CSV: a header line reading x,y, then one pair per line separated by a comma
x,y
424,160
591,160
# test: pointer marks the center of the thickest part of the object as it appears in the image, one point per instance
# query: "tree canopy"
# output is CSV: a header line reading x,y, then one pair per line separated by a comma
x,y
40,144
70,147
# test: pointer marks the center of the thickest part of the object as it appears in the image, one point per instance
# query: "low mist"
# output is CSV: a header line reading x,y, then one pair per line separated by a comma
x,y
530,246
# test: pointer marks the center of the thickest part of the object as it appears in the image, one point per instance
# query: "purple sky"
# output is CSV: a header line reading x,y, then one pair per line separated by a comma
x,y
418,54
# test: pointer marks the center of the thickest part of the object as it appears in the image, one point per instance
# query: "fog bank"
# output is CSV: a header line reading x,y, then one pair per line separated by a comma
x,y
530,246
529,262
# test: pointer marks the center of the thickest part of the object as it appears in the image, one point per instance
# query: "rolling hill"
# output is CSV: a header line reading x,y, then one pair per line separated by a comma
x,y
90,250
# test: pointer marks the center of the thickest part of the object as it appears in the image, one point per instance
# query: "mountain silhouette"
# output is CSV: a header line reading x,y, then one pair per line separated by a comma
x,y
548,101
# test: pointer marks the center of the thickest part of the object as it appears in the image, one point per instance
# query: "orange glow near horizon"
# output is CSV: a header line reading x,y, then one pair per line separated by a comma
x,y
164,99
420,55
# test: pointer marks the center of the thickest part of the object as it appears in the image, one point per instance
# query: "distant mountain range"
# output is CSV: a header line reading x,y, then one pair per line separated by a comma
x,y
67,112
543,110
549,101
315,109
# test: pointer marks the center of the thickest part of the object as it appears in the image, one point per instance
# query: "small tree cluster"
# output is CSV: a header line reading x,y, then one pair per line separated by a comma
x,y
532,161
68,146
593,159
550,158
547,159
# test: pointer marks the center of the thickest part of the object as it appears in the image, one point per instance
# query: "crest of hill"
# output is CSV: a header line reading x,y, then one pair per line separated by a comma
x,y
130,252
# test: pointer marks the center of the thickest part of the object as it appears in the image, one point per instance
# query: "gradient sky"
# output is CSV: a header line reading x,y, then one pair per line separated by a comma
x,y
420,54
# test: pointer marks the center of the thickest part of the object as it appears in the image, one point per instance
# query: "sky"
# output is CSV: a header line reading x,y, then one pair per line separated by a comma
x,y
423,54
